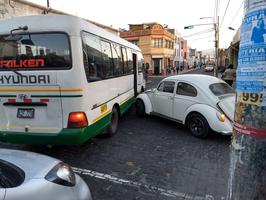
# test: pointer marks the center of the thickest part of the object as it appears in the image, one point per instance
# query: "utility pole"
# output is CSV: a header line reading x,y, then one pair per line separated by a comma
x,y
247,172
216,29
47,7
216,42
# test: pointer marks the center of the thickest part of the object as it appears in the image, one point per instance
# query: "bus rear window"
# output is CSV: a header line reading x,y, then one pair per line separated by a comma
x,y
35,52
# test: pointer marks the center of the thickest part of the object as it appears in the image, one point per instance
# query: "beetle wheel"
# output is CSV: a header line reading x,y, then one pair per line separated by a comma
x,y
198,125
140,108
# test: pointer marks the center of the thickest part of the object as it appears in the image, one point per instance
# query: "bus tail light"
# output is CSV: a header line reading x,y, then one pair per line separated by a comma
x,y
77,120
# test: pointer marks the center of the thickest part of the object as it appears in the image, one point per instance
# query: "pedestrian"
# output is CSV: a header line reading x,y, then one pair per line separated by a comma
x,y
147,66
177,69
229,75
172,70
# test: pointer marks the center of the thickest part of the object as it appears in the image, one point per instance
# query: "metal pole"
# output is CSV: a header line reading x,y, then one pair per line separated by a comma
x,y
216,28
247,173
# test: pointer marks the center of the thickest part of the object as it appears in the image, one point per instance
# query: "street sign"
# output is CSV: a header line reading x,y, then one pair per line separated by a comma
x,y
188,27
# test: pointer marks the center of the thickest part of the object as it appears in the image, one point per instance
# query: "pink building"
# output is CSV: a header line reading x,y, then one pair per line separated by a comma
x,y
184,52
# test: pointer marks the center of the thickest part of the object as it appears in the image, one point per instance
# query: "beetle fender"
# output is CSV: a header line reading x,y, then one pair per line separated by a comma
x,y
210,115
147,102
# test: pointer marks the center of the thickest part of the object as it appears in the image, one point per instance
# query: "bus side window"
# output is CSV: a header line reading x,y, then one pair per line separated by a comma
x,y
117,59
93,54
130,61
124,53
108,65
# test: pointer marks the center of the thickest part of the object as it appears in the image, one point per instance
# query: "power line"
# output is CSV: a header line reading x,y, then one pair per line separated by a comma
x,y
201,38
228,2
198,33
236,13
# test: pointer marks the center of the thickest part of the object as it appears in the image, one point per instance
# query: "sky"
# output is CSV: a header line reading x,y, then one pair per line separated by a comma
x,y
174,13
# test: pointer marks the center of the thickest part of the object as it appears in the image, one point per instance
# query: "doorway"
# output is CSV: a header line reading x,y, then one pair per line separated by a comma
x,y
156,65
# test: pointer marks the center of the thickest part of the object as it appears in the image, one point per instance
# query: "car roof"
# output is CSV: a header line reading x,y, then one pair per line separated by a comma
x,y
203,80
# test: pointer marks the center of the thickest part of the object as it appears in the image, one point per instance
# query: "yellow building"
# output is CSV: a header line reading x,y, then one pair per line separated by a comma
x,y
156,43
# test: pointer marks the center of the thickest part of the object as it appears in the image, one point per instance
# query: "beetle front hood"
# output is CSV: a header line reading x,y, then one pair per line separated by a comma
x,y
227,104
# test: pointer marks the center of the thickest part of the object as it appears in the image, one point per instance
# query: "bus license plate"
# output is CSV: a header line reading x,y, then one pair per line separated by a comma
x,y
25,113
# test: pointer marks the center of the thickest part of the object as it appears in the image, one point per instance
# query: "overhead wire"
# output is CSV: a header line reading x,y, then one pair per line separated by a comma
x,y
228,2
200,38
198,33
236,13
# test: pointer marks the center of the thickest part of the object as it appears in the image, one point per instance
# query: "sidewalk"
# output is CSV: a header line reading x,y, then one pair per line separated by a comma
x,y
183,72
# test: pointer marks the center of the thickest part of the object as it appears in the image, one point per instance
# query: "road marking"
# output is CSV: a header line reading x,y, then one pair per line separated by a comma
x,y
161,191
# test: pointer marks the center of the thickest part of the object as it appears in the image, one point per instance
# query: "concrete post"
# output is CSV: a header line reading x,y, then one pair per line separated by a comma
x,y
247,179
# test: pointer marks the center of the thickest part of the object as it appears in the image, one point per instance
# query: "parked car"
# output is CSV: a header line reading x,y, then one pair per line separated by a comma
x,y
202,103
209,68
26,175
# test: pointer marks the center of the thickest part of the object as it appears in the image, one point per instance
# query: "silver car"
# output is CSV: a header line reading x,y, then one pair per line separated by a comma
x,y
31,176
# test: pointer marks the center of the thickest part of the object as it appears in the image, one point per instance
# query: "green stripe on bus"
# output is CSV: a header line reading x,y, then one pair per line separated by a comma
x,y
56,96
8,95
126,105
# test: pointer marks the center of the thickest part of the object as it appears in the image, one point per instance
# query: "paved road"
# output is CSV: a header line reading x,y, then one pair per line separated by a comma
x,y
148,159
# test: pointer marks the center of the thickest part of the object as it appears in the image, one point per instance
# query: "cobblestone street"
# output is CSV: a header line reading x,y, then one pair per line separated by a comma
x,y
149,158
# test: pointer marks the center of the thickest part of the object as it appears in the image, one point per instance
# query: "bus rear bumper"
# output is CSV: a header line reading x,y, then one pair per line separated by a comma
x,y
66,136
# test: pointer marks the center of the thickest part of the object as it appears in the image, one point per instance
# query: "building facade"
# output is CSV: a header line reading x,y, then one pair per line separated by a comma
x,y
156,43
178,59
192,58
15,8
184,53
234,49
224,58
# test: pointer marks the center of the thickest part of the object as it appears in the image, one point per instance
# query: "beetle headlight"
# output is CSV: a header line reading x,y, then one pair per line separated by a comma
x,y
221,116
62,174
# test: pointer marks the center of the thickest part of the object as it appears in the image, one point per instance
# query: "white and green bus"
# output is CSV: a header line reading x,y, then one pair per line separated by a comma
x,y
64,80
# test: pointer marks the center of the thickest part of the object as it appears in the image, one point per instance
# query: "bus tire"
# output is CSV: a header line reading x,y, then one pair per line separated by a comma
x,y
140,108
112,129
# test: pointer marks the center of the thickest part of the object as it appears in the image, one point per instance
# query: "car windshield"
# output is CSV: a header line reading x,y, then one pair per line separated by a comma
x,y
219,89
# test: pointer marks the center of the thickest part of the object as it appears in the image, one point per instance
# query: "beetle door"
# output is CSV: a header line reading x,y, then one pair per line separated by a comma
x,y
186,96
163,98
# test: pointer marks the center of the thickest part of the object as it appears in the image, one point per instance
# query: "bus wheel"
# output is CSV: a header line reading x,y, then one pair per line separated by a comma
x,y
112,129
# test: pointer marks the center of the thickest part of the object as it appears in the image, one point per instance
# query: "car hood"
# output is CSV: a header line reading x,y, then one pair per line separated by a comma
x,y
34,165
227,104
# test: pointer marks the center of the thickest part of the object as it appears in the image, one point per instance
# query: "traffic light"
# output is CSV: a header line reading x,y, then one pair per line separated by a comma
x,y
188,27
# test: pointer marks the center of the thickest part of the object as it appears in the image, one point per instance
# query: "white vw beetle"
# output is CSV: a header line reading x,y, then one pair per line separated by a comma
x,y
200,102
